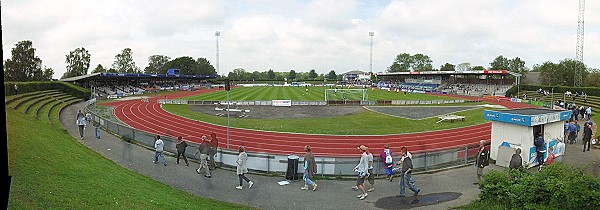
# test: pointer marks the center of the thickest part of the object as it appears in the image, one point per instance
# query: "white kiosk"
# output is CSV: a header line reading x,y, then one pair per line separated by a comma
x,y
512,129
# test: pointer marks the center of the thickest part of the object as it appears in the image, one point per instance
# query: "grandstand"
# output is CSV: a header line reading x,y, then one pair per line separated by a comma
x,y
472,83
117,85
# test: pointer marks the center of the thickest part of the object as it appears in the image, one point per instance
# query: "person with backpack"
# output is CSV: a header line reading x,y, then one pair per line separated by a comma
x,y
482,160
388,162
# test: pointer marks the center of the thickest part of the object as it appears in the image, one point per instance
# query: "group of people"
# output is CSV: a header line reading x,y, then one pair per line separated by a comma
x,y
364,169
82,121
207,150
572,129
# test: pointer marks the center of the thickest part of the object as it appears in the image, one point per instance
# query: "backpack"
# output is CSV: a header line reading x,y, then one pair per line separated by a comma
x,y
388,158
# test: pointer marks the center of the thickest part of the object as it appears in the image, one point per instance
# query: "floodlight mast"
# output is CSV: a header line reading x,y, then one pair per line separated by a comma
x,y
371,34
579,49
217,35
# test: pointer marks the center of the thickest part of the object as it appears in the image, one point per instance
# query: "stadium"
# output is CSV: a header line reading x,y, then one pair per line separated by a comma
x,y
431,113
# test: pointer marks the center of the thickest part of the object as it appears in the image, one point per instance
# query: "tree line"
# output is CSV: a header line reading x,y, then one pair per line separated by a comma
x,y
24,65
562,73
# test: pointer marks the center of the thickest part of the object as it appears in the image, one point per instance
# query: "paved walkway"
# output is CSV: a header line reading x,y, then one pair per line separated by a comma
x,y
266,193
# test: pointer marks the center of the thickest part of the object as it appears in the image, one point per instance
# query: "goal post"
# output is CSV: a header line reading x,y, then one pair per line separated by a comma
x,y
346,94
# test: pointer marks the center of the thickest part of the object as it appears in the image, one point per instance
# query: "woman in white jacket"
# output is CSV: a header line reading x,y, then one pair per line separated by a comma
x,y
242,169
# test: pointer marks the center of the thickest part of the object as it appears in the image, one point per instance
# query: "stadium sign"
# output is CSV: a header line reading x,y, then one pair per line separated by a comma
x,y
281,102
527,117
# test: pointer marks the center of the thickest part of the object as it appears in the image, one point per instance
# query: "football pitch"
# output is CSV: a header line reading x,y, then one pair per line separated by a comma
x,y
315,93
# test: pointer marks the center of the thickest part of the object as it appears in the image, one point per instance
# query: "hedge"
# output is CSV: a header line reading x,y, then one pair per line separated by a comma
x,y
558,186
592,91
26,87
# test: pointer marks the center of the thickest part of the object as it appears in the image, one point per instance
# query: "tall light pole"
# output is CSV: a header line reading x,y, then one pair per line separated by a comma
x,y
371,34
217,34
579,49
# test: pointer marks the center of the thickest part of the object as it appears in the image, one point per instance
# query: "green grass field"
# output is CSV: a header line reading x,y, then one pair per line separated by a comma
x,y
315,93
51,170
362,123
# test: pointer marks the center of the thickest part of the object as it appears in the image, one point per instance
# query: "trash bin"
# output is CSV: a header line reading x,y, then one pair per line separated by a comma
x,y
292,168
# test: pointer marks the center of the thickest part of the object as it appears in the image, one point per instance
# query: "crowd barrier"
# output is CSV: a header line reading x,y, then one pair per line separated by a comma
x,y
277,163
319,103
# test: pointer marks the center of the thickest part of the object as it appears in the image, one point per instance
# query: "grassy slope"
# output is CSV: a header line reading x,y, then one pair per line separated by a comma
x,y
370,123
298,94
50,169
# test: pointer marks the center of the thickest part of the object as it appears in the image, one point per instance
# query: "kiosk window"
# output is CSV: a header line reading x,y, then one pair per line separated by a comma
x,y
538,129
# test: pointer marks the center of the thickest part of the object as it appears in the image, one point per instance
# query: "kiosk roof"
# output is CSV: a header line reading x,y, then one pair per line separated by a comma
x,y
530,111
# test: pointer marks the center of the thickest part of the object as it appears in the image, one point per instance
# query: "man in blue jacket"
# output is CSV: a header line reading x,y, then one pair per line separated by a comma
x,y
540,149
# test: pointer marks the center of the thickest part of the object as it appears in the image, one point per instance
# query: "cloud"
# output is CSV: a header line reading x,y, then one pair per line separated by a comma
x,y
303,35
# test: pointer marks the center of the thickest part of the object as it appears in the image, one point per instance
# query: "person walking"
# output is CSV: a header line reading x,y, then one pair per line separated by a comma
x,y
482,160
587,135
203,149
577,129
181,145
16,89
362,170
588,113
540,149
158,150
388,162
572,130
214,146
371,177
310,169
81,123
405,175
242,169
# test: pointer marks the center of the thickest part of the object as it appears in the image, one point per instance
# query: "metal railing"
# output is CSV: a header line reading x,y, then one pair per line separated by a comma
x,y
277,163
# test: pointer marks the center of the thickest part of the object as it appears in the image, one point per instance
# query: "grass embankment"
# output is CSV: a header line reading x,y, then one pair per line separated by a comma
x,y
362,123
52,170
315,93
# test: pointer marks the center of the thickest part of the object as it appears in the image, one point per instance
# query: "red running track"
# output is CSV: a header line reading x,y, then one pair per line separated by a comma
x,y
150,117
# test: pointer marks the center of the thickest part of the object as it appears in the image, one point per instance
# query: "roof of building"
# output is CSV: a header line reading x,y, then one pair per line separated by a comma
x,y
120,76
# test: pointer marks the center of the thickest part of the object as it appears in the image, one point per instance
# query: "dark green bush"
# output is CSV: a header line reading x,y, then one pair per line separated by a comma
x,y
26,87
558,186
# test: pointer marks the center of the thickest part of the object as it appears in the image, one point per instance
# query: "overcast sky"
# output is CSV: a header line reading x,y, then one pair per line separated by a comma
x,y
303,35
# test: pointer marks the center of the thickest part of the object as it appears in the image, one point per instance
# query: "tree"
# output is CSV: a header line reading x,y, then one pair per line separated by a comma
x,y
447,67
99,68
237,74
124,62
562,73
421,63
271,74
478,68
203,67
185,64
406,62
466,66
312,74
593,79
517,65
403,62
78,63
23,65
331,75
292,75
500,63
48,74
156,64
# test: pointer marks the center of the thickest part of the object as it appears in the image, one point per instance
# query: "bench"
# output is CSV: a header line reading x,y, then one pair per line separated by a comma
x,y
451,118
